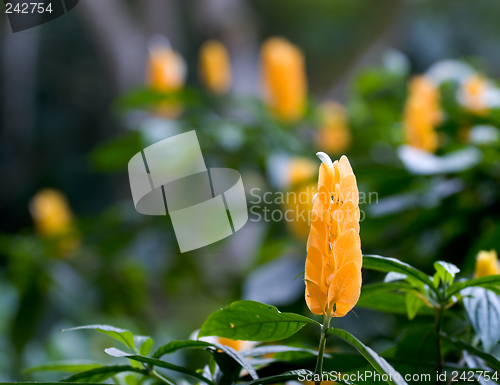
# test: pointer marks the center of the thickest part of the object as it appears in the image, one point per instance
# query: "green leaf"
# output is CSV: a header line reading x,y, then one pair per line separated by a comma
x,y
144,344
376,262
228,369
493,362
483,309
71,366
413,304
490,280
253,321
392,276
238,358
146,97
156,362
115,155
122,335
176,345
418,344
274,349
445,272
378,363
387,297
173,346
102,373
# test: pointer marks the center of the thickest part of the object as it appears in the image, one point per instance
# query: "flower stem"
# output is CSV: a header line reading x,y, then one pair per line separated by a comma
x,y
158,376
439,325
322,345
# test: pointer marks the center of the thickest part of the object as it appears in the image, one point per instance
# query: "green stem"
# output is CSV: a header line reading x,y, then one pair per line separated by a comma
x,y
153,373
439,325
322,345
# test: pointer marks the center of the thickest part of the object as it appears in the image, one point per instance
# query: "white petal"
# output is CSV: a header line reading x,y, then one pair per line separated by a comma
x,y
325,159
449,70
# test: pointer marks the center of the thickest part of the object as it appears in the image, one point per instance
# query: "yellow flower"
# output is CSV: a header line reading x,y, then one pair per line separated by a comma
x,y
298,206
53,220
166,73
237,345
486,264
284,78
300,170
472,93
422,114
334,259
333,134
215,67
298,203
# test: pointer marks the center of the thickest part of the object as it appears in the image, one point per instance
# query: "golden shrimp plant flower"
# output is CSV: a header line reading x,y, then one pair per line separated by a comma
x,y
333,134
486,264
302,173
477,94
334,259
284,78
215,67
422,114
166,72
53,219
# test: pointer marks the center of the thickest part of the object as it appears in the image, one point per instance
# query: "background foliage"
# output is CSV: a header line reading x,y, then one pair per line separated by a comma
x,y
74,110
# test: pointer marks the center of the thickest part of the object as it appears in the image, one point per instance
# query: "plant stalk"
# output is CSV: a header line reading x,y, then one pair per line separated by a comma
x,y
439,325
322,345
153,373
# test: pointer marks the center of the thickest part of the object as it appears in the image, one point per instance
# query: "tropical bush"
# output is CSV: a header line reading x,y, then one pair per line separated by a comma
x,y
427,146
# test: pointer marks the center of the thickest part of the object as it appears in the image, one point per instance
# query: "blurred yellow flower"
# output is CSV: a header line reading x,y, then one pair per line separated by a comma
x,y
298,204
53,219
422,114
472,94
166,73
237,345
215,67
333,134
486,264
334,259
300,170
284,78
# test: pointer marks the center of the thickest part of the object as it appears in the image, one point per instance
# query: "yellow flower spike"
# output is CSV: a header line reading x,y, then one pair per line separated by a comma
x,y
333,134
53,220
284,79
215,67
334,258
486,264
166,73
422,114
473,92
